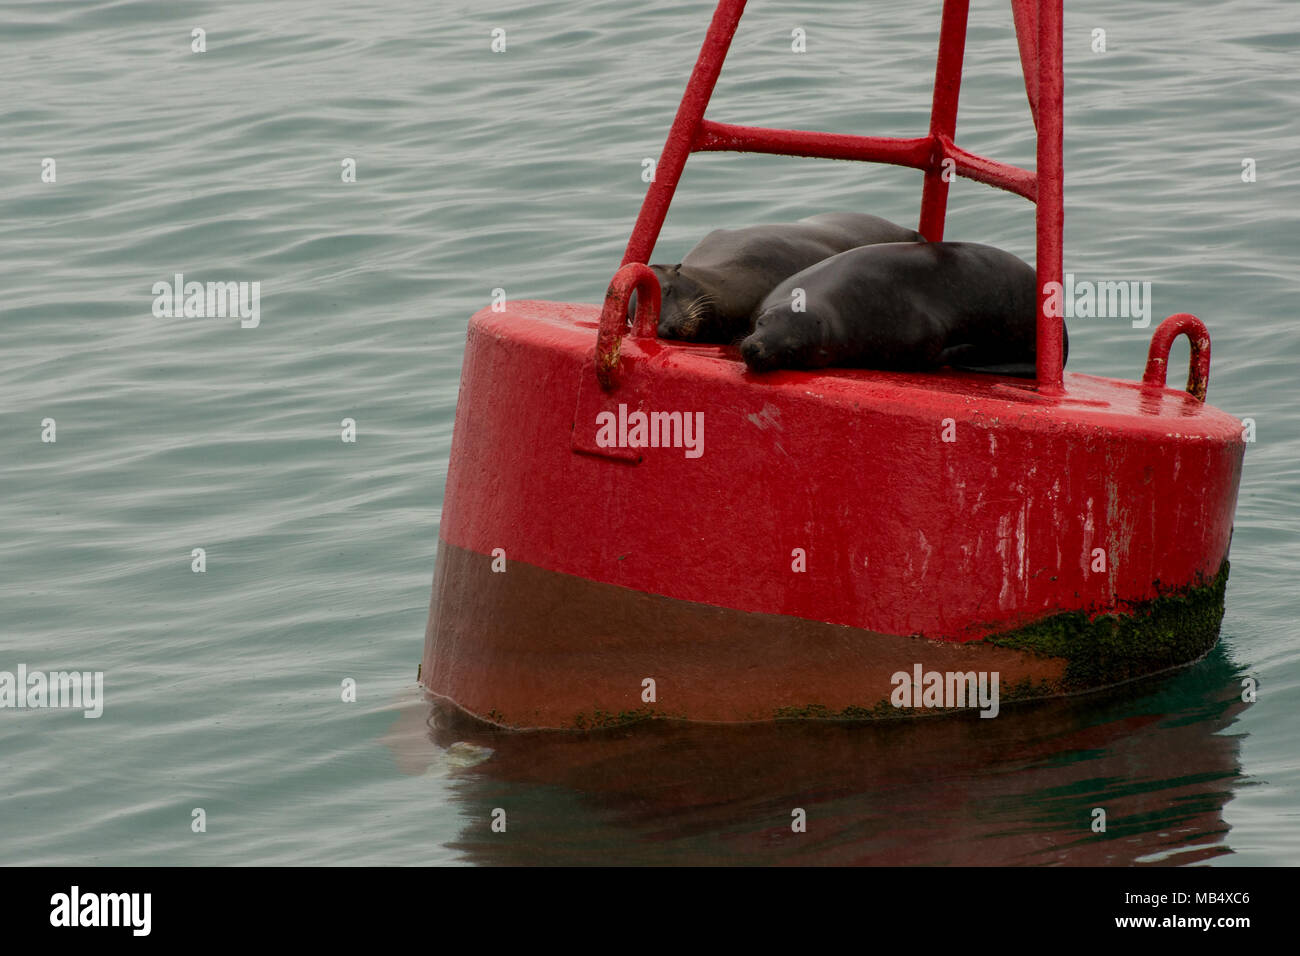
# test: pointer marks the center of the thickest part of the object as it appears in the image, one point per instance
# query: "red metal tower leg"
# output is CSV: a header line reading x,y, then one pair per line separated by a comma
x,y
686,126
1051,193
1025,13
943,115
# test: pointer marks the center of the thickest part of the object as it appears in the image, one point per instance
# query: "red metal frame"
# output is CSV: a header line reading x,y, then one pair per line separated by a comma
x,y
1038,32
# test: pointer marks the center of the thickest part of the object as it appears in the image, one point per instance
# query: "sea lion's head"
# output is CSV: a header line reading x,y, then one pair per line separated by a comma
x,y
687,310
784,338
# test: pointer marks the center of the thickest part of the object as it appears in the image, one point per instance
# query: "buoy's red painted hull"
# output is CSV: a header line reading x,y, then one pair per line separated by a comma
x,y
656,564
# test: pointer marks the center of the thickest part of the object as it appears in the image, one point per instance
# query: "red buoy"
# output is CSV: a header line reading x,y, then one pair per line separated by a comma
x,y
634,527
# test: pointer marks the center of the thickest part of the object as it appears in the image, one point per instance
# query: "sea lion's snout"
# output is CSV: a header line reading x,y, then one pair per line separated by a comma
x,y
757,355
675,323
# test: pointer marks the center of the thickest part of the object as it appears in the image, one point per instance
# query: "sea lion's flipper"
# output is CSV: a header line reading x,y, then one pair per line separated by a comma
x,y
970,358
966,358
1014,369
957,354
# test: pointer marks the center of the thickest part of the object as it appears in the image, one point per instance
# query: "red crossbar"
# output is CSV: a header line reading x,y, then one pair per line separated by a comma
x,y
1038,33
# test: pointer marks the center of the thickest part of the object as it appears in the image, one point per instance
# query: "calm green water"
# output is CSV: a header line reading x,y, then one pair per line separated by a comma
x,y
521,170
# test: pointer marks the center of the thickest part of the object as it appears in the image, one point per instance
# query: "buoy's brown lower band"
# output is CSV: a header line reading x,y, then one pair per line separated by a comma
x,y
531,648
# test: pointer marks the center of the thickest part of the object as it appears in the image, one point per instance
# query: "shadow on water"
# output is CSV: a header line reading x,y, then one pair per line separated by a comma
x,y
1018,789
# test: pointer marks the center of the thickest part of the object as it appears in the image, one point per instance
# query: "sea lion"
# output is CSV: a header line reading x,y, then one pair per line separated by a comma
x,y
904,306
711,295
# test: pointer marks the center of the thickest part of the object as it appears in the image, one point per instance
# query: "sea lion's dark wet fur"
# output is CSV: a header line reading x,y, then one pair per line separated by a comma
x,y
904,306
711,295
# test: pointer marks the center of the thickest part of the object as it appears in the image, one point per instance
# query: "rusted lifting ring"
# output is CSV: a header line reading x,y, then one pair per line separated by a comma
x,y
633,277
1198,366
